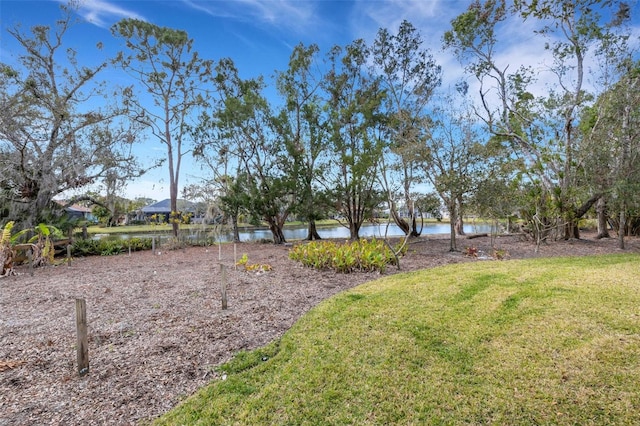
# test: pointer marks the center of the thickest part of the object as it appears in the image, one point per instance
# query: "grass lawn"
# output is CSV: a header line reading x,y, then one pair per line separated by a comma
x,y
547,341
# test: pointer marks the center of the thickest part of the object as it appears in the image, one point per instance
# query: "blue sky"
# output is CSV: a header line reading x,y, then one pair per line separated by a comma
x,y
258,35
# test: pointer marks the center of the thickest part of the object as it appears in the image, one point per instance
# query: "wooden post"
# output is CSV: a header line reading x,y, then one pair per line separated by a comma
x,y
68,254
83,340
129,246
223,286
30,260
219,251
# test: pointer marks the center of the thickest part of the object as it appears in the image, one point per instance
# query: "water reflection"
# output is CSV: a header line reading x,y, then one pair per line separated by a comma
x,y
367,231
299,233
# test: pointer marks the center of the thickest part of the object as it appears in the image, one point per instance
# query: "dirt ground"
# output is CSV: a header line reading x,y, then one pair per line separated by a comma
x,y
156,326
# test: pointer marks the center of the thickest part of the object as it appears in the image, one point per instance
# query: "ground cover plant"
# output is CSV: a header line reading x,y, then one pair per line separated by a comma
x,y
544,341
109,247
360,255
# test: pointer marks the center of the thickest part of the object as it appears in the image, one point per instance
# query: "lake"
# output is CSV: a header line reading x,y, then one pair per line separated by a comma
x,y
366,231
299,233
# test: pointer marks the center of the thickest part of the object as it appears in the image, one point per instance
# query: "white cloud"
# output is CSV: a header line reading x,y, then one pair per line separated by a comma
x,y
288,15
103,13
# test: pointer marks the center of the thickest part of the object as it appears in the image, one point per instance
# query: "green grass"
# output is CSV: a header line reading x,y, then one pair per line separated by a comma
x,y
547,341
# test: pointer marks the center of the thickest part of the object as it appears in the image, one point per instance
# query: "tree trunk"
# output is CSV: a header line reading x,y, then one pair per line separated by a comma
x,y
276,231
571,230
312,232
452,222
603,226
622,227
414,225
236,231
400,222
459,226
460,221
354,231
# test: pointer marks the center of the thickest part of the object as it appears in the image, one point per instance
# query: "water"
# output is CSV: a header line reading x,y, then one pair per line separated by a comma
x,y
299,233
366,231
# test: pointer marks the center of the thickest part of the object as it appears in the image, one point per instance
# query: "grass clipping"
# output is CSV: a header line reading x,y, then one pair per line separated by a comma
x,y
551,341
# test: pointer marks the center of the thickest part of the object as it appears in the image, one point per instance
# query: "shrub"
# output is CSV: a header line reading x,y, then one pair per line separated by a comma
x,y
362,255
471,252
253,267
109,247
85,248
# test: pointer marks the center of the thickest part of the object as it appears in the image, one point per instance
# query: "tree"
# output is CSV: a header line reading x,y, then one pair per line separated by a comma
x,y
46,119
354,102
302,128
611,145
454,157
540,128
409,75
246,121
162,60
226,185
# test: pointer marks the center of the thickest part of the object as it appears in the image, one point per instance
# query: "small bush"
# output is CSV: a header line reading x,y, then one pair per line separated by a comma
x,y
500,254
82,248
361,255
111,247
253,267
108,247
471,252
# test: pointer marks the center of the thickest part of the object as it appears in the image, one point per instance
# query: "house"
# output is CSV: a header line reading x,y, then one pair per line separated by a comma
x,y
76,211
162,210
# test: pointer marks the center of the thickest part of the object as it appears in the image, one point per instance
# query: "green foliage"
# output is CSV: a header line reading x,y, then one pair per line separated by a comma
x,y
82,248
39,232
6,251
109,247
5,237
253,267
360,255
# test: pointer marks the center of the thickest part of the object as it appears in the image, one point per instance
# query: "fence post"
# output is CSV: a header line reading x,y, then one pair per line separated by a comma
x,y
223,286
83,341
68,254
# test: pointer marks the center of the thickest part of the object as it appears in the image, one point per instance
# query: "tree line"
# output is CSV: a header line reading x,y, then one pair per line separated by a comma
x,y
359,128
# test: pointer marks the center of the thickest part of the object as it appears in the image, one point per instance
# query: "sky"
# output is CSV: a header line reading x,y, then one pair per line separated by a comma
x,y
259,36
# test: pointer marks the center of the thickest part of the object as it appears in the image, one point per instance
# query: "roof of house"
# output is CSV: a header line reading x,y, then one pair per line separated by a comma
x,y
74,207
77,208
164,206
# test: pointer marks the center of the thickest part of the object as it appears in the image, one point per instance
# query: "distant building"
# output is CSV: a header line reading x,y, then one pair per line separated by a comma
x,y
76,211
164,208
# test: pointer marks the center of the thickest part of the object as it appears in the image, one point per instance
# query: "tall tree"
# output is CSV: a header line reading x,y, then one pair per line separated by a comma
x,y
454,159
301,125
409,75
46,120
611,145
354,102
163,62
541,127
246,121
226,180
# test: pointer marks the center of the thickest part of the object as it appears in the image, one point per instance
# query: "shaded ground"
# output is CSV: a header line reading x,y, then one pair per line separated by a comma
x,y
156,327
